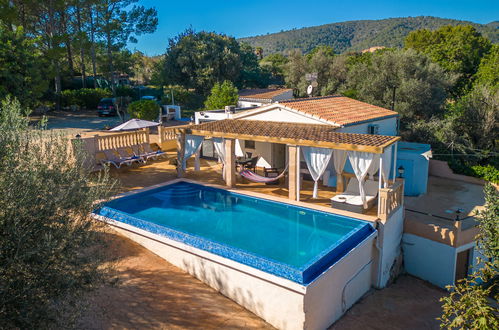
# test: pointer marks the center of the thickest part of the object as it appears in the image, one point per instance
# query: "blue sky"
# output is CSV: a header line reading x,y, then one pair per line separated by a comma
x,y
253,17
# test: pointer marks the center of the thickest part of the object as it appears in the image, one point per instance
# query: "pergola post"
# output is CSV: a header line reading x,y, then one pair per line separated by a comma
x,y
230,162
160,134
293,176
180,154
197,161
395,145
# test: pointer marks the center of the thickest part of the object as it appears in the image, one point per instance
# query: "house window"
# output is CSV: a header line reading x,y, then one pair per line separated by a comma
x,y
372,129
248,144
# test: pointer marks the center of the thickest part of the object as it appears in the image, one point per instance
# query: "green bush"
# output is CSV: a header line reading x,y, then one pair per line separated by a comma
x,y
488,173
144,109
51,251
222,95
125,91
86,97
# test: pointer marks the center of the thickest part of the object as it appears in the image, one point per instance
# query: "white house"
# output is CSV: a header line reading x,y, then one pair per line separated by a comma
x,y
347,115
344,114
250,98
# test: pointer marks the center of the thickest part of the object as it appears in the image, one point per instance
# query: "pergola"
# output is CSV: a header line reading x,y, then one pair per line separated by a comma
x,y
292,134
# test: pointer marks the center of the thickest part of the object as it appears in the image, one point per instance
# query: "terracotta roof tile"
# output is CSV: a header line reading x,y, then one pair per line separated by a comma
x,y
280,132
261,94
338,109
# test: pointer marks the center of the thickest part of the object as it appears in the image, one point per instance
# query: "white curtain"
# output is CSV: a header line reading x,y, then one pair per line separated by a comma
x,y
339,160
219,145
239,151
192,145
387,165
374,166
317,160
361,162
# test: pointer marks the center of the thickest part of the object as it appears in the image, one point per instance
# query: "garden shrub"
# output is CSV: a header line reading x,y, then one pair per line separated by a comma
x,y
85,97
144,109
488,172
51,251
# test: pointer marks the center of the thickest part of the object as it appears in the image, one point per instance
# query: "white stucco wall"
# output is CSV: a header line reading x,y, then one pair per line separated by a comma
x,y
262,149
429,260
386,127
337,289
392,232
285,116
203,116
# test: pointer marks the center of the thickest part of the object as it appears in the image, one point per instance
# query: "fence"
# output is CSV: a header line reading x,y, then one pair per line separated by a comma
x,y
390,199
168,133
120,140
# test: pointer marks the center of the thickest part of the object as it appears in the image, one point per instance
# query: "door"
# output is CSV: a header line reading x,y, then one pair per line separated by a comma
x,y
462,264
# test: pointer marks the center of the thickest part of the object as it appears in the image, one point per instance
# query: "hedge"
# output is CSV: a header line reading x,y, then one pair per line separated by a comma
x,y
144,109
85,97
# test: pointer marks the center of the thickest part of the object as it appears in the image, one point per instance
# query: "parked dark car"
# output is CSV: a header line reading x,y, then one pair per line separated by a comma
x,y
107,107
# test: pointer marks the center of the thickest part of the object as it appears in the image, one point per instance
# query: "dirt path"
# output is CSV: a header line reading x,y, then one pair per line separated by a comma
x,y
153,294
409,303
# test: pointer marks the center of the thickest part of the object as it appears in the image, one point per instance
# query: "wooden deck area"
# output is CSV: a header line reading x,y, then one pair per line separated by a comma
x,y
211,173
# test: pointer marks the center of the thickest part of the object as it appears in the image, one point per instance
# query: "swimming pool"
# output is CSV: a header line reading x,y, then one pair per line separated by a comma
x,y
289,241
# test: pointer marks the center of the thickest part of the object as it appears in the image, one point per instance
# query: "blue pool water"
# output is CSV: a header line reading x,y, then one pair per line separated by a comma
x,y
285,240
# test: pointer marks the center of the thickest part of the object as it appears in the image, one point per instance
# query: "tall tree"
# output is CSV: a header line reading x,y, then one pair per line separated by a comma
x,y
403,79
22,72
488,71
200,59
458,49
119,23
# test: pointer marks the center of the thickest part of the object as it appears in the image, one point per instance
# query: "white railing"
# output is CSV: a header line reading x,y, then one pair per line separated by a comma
x,y
120,140
390,199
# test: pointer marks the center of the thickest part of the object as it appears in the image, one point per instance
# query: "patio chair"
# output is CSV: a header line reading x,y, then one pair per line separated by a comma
x,y
128,153
251,165
147,152
112,157
350,200
157,149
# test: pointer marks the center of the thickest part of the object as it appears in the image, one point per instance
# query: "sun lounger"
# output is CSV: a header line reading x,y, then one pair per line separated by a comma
x,y
350,200
127,153
146,152
112,157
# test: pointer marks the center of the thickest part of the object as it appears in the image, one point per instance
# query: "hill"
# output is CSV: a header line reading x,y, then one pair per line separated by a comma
x,y
359,35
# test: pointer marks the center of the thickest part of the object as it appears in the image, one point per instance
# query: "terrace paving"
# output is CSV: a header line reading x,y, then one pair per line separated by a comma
x,y
153,294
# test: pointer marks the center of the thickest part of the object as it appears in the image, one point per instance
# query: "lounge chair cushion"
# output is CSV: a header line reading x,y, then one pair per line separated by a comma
x,y
351,199
352,195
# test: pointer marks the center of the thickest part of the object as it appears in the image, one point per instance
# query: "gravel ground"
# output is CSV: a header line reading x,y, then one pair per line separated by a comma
x,y
153,294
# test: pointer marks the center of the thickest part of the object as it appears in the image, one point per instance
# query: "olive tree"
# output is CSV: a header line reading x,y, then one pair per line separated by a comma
x,y
403,79
50,249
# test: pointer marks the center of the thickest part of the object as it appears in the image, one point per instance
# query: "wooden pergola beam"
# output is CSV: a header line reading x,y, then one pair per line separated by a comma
x,y
300,142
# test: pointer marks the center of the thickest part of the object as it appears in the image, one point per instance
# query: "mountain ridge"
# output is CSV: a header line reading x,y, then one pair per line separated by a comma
x,y
357,35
